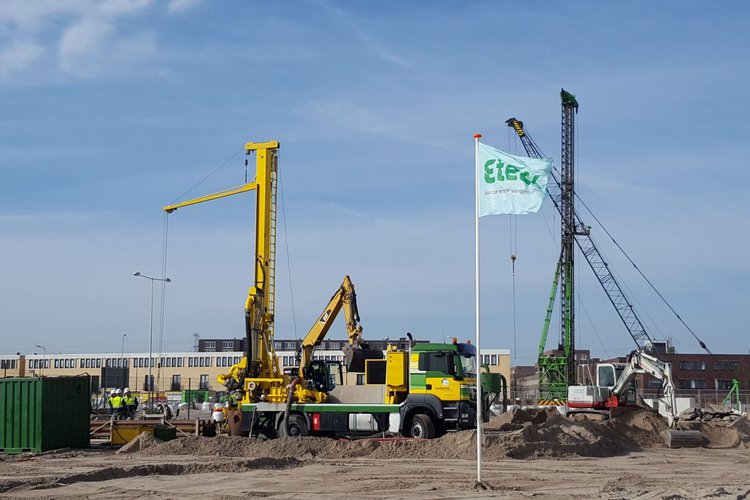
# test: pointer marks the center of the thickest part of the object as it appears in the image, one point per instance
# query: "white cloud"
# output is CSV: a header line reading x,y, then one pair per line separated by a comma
x,y
17,57
181,6
366,38
81,40
117,8
48,42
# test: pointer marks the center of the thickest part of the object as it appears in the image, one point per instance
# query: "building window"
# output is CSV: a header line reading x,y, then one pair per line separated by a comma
x,y
726,366
693,365
98,363
208,362
179,362
361,379
723,384
227,345
277,345
176,383
201,361
203,382
190,362
334,346
210,344
693,384
290,345
146,385
57,363
493,360
653,383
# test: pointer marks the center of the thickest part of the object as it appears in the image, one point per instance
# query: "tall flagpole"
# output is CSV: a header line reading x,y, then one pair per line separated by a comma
x,y
480,413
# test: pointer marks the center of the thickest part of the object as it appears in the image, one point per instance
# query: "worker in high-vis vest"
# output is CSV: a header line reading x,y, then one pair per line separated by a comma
x,y
117,404
110,409
130,402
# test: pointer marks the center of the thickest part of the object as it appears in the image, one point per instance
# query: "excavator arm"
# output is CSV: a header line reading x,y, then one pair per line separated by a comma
x,y
641,362
356,351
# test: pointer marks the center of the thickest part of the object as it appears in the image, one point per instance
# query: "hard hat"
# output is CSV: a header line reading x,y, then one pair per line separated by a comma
x,y
127,389
112,392
118,391
217,405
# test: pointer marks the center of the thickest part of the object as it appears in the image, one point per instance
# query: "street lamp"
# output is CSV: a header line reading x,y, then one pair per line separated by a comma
x,y
44,356
122,350
151,334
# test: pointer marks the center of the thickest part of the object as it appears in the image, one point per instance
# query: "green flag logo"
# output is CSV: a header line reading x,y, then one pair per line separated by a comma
x,y
497,171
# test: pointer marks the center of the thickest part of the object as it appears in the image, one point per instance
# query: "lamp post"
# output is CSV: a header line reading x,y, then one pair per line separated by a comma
x,y
44,357
125,382
151,334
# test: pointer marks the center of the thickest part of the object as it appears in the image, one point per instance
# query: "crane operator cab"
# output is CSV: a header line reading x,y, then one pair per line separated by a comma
x,y
324,375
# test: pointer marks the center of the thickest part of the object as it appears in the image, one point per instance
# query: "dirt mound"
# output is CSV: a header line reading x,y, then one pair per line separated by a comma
x,y
554,436
742,426
642,427
718,434
140,442
512,420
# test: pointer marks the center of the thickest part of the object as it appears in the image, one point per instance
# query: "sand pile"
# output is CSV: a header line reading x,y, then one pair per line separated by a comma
x,y
553,436
140,442
722,433
742,426
514,420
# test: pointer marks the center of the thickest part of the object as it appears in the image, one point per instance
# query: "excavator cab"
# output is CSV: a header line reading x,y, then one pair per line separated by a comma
x,y
324,375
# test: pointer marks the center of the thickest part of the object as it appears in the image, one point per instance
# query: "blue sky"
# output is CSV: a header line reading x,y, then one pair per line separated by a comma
x,y
113,109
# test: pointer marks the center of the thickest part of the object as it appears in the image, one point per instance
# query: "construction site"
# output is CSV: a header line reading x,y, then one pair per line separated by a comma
x,y
607,371
283,431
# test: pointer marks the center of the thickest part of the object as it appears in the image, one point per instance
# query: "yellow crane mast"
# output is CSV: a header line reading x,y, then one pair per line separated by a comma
x,y
258,374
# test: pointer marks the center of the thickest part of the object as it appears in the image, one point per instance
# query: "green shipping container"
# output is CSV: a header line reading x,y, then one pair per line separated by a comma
x,y
41,414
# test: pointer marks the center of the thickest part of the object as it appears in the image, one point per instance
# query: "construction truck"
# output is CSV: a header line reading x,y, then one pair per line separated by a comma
x,y
614,388
421,392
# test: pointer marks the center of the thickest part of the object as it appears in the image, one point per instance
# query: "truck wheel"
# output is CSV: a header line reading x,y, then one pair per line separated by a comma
x,y
421,427
296,427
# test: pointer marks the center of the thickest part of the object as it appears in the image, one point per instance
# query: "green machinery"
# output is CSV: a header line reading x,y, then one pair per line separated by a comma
x,y
732,398
557,369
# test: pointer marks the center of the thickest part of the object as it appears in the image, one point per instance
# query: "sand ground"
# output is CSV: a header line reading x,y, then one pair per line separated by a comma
x,y
654,473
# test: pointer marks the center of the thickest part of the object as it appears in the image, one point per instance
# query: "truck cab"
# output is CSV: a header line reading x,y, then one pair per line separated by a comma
x,y
442,389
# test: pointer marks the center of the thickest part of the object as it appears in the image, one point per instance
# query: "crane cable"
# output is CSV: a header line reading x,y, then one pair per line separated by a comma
x,y
700,342
513,239
513,247
288,258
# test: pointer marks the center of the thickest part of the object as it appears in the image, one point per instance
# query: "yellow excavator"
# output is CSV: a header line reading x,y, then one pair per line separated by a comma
x,y
310,385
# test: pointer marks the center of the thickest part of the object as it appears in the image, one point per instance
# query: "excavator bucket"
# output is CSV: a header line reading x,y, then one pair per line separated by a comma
x,y
355,357
675,438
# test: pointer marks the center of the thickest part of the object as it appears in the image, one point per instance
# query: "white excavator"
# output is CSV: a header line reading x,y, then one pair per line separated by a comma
x,y
613,389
